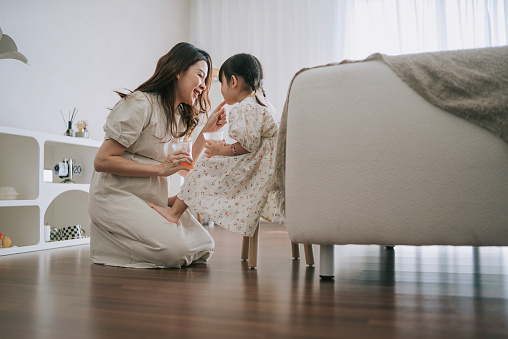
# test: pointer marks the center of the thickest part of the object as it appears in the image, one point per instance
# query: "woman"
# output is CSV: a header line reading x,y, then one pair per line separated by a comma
x,y
133,162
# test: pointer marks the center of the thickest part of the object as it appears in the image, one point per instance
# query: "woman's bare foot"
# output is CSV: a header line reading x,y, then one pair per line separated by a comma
x,y
165,212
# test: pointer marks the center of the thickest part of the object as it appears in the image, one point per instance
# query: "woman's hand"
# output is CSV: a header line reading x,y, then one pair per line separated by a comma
x,y
213,147
173,162
109,160
217,120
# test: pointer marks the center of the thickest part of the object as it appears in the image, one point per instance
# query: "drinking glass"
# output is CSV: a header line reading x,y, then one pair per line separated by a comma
x,y
184,146
213,136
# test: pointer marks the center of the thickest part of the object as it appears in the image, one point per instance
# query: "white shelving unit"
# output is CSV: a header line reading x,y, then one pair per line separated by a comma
x,y
24,157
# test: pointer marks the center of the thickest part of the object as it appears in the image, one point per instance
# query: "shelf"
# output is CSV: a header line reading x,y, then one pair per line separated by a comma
x,y
5,203
44,246
82,155
25,156
67,210
20,165
21,224
52,190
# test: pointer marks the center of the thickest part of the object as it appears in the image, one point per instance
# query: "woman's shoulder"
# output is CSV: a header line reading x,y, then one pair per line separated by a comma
x,y
139,96
137,100
143,96
134,104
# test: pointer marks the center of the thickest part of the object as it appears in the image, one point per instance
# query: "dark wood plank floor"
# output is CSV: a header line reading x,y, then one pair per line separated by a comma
x,y
411,292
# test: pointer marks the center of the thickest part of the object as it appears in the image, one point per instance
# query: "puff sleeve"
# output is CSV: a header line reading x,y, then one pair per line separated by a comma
x,y
246,125
128,118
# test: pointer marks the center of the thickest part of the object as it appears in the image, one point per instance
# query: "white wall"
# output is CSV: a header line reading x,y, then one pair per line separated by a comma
x,y
78,53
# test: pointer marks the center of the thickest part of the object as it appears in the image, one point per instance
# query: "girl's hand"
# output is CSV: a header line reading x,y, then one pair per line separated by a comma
x,y
213,147
217,120
173,162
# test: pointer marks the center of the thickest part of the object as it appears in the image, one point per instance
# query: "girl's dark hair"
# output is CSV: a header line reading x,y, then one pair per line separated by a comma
x,y
163,83
248,68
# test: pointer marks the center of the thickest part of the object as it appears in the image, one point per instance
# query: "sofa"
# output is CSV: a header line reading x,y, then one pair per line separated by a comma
x,y
368,160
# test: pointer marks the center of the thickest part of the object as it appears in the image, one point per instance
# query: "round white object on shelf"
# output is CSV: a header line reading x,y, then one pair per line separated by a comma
x,y
8,193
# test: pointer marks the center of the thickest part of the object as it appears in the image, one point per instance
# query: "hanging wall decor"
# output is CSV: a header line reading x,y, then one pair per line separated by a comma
x,y
8,49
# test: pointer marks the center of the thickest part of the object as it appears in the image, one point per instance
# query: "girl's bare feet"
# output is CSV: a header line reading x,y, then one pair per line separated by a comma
x,y
165,212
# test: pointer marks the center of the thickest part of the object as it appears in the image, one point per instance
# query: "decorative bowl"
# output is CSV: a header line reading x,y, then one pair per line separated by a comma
x,y
8,193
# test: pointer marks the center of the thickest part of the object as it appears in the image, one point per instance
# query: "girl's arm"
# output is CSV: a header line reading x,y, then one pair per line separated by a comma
x,y
218,148
108,159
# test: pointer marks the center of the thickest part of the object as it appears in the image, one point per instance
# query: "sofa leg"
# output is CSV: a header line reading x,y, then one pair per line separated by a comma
x,y
326,262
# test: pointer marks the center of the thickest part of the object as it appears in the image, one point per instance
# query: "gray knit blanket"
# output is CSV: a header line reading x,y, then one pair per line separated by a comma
x,y
472,84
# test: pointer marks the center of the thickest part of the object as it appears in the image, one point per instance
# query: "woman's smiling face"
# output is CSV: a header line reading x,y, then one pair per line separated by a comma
x,y
191,83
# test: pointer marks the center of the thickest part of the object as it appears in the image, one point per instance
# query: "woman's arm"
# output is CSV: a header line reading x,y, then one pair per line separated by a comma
x,y
197,146
108,159
216,121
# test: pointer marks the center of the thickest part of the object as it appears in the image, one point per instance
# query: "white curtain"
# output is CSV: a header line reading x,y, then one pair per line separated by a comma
x,y
287,35
412,26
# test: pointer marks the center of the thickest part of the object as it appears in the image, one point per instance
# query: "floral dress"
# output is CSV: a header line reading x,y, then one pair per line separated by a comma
x,y
232,191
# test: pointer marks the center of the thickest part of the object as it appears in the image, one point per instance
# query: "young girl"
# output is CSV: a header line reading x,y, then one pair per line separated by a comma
x,y
232,184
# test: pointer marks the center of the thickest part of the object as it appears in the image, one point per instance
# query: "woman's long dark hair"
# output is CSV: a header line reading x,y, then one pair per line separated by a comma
x,y
248,68
163,83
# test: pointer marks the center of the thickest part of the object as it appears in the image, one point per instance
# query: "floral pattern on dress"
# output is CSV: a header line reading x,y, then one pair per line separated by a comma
x,y
233,191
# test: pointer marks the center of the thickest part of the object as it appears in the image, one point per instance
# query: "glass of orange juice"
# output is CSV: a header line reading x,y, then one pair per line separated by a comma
x,y
184,146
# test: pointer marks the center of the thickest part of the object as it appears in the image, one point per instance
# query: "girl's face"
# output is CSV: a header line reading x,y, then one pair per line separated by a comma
x,y
191,83
228,91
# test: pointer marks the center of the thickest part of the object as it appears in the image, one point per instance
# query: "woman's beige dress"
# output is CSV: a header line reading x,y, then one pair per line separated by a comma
x,y
125,231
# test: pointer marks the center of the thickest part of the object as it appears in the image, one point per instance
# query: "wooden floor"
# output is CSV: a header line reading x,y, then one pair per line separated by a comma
x,y
411,292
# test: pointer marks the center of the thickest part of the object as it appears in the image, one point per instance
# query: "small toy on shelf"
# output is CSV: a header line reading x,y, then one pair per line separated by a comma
x,y
6,241
82,131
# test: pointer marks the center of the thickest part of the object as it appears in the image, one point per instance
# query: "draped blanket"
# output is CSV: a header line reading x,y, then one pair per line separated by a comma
x,y
472,84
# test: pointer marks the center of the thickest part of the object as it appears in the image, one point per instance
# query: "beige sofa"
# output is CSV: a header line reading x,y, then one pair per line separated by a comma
x,y
369,161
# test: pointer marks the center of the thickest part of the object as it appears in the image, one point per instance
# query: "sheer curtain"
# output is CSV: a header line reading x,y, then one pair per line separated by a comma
x,y
412,26
287,35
